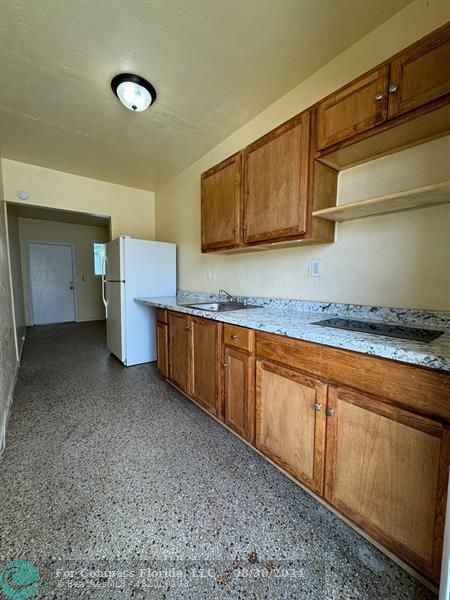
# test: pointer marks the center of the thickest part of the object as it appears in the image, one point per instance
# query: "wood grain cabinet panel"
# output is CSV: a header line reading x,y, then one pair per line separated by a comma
x,y
221,205
276,170
290,421
206,369
162,348
239,402
420,74
179,350
386,470
355,108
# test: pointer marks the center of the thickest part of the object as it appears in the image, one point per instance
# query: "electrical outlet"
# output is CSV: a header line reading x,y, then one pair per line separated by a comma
x,y
208,273
315,267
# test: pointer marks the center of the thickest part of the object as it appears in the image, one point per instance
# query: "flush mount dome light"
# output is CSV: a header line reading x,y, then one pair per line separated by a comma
x,y
135,92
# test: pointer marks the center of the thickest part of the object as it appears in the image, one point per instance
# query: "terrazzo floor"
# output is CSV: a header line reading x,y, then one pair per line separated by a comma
x,y
116,486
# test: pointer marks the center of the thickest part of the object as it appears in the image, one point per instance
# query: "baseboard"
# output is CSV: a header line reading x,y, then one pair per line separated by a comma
x,y
89,319
7,412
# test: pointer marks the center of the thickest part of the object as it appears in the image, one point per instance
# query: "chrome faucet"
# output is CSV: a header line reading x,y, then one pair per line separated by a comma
x,y
232,298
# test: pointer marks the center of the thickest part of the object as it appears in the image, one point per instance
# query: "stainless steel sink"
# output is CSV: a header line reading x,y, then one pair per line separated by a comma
x,y
221,306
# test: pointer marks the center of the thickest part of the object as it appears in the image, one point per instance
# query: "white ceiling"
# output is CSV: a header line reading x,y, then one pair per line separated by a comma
x,y
214,63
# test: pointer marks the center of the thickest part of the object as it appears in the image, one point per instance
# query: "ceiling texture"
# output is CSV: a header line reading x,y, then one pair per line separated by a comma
x,y
214,63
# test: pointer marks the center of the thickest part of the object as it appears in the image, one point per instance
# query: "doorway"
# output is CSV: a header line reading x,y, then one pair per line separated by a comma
x,y
51,273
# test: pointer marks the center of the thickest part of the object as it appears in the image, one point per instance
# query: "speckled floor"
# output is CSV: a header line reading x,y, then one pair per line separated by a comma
x,y
116,486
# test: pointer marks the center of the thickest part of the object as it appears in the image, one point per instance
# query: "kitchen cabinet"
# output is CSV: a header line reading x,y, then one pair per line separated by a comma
x,y
162,347
205,368
276,176
290,421
221,205
369,435
412,79
357,107
420,74
179,350
239,376
387,472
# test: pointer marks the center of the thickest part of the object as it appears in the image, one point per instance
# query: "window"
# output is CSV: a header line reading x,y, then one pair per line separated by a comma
x,y
99,253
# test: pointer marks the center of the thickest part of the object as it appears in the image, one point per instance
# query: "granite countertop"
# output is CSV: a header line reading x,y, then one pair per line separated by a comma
x,y
286,318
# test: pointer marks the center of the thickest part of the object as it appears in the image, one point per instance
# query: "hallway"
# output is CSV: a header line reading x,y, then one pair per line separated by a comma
x,y
110,468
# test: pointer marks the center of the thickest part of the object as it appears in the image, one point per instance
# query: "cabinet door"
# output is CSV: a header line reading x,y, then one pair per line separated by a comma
x,y
206,363
162,348
239,371
276,171
179,350
420,74
221,205
387,471
358,107
290,421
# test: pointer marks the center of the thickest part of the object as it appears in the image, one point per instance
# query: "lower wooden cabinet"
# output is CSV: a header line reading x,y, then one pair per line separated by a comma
x,y
205,384
239,399
179,350
365,433
290,421
162,347
386,470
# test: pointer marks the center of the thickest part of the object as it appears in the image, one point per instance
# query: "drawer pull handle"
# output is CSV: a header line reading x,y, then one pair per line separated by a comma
x,y
317,407
234,336
330,412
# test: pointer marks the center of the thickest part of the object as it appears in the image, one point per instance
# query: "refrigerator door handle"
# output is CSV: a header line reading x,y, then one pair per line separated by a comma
x,y
104,284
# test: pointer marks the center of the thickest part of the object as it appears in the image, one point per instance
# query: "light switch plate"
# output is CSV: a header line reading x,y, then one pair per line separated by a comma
x,y
315,267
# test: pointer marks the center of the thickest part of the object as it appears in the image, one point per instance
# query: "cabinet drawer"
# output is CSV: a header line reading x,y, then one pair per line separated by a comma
x,y
239,337
161,315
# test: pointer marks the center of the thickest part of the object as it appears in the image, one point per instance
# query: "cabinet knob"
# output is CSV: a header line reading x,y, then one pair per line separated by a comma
x,y
234,336
379,96
393,88
187,328
225,365
330,412
317,407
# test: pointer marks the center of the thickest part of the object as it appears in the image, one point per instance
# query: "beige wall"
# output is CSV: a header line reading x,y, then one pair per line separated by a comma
x,y
8,358
16,279
131,210
87,285
394,260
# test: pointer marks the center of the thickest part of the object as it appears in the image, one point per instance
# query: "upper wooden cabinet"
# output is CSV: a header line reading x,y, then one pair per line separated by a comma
x,y
276,171
221,205
355,108
371,104
420,74
387,471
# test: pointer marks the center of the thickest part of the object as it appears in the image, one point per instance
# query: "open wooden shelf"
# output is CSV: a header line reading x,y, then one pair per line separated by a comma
x,y
429,195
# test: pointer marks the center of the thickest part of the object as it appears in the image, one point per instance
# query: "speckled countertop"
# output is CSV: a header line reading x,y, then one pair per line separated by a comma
x,y
295,318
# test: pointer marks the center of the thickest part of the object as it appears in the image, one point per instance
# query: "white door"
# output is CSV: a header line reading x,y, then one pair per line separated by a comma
x,y
51,283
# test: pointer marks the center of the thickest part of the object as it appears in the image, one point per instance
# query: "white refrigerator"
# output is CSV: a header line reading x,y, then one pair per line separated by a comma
x,y
133,269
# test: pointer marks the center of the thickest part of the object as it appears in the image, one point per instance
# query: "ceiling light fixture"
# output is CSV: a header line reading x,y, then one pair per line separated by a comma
x,y
135,92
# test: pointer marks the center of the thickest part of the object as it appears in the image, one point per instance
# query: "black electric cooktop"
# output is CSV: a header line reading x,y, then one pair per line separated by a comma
x,y
395,331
